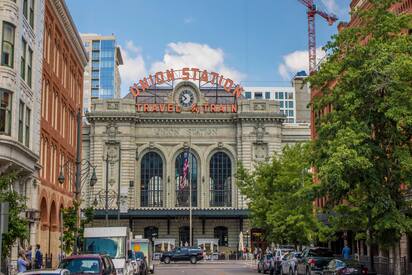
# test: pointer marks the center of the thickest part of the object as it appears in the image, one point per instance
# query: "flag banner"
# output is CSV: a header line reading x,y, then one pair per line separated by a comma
x,y
185,171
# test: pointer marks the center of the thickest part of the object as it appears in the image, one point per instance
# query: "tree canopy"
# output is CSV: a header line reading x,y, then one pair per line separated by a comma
x,y
280,195
363,149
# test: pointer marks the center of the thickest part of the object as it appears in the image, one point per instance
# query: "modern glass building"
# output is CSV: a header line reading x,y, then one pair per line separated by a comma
x,y
102,78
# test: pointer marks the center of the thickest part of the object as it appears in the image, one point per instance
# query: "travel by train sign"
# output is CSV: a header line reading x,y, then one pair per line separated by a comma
x,y
194,74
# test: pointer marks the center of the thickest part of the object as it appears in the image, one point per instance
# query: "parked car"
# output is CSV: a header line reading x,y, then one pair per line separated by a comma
x,y
313,260
192,254
89,264
277,259
264,263
289,263
344,267
58,271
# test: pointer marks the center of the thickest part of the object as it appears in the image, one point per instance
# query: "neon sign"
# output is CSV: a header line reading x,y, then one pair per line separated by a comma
x,y
194,74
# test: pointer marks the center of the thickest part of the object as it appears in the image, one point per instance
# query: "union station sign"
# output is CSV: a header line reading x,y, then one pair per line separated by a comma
x,y
187,96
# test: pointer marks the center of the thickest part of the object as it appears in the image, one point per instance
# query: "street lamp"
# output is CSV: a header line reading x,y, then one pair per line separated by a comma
x,y
93,180
247,244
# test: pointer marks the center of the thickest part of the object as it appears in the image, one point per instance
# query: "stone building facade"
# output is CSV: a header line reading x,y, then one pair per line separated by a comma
x,y
138,148
21,32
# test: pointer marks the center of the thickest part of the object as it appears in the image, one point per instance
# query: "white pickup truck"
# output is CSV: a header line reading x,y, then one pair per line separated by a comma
x,y
111,241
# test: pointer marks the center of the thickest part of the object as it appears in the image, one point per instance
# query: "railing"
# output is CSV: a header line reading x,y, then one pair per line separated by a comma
x,y
182,198
220,198
151,198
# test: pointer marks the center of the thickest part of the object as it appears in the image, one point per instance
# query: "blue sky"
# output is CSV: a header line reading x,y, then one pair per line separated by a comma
x,y
256,42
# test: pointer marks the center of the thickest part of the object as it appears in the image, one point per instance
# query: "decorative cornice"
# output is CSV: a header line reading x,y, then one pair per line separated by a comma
x,y
70,29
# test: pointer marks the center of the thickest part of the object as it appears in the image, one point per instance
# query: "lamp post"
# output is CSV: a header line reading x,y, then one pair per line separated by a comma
x,y
247,244
78,186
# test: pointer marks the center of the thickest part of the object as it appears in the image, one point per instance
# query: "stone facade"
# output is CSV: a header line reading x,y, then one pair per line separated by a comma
x,y
20,88
125,136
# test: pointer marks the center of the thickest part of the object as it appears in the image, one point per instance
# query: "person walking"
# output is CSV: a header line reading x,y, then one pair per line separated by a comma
x,y
38,258
29,257
22,262
346,251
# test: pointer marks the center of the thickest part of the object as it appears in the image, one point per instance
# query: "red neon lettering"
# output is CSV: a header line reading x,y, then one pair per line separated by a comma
x,y
213,108
143,84
204,76
162,107
170,108
238,91
222,108
145,108
178,109
185,74
138,107
220,81
234,108
152,81
155,108
134,90
214,77
195,71
228,85
159,78
170,74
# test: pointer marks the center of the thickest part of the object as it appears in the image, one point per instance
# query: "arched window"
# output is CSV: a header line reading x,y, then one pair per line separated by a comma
x,y
221,233
182,181
151,180
220,173
151,232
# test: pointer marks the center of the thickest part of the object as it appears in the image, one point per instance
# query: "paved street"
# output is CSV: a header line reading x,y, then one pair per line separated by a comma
x,y
218,268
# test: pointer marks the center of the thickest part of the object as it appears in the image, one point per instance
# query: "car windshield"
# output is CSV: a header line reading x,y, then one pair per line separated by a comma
x,y
320,252
91,266
112,246
139,255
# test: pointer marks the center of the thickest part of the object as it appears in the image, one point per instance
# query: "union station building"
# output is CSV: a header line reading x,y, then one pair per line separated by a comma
x,y
137,145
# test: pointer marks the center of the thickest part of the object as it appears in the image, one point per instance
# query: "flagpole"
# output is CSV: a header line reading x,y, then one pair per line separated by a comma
x,y
190,191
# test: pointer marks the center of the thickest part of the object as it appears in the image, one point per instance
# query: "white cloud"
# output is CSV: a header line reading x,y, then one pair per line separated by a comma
x,y
297,61
188,54
133,67
188,20
176,56
331,6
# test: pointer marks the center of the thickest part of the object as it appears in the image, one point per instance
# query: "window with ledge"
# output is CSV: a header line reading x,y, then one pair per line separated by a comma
x,y
7,49
182,183
258,95
21,121
23,59
151,171
29,67
25,8
31,15
220,172
27,130
267,95
248,95
5,112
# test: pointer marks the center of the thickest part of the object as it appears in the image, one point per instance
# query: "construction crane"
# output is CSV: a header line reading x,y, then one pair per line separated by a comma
x,y
312,11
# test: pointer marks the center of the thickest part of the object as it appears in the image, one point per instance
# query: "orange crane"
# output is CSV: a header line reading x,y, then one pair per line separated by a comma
x,y
311,12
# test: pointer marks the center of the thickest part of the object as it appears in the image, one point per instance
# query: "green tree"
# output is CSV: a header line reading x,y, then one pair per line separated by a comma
x,y
280,194
363,147
18,224
71,231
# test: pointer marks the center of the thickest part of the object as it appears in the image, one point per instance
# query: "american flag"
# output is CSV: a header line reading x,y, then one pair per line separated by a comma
x,y
183,179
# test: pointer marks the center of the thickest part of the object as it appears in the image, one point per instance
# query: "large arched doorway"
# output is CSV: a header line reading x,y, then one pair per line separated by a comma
x,y
44,224
186,173
222,234
151,179
52,226
220,173
184,235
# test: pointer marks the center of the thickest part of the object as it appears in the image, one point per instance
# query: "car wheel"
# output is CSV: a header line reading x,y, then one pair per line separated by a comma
x,y
167,260
193,260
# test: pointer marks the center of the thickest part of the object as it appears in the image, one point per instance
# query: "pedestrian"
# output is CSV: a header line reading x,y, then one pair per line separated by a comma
x,y
38,258
29,257
346,251
22,262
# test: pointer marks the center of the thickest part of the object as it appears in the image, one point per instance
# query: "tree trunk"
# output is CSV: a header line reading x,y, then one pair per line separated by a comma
x,y
396,260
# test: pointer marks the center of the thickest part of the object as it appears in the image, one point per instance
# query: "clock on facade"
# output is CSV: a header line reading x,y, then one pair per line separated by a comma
x,y
186,98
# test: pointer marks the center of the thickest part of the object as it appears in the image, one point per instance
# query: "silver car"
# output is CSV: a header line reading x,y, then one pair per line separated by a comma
x,y
58,271
289,263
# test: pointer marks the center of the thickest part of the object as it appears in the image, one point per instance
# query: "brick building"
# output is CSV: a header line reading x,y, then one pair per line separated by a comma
x,y
64,59
359,247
